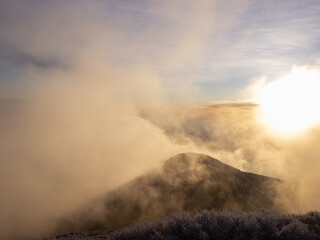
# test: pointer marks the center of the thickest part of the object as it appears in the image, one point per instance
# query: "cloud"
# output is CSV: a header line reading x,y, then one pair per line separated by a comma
x,y
77,135
76,132
172,38
238,138
94,109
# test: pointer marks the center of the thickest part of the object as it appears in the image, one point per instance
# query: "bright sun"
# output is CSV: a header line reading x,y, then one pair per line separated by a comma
x,y
291,104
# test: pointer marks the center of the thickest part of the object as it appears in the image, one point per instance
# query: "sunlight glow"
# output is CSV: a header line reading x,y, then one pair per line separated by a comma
x,y
291,104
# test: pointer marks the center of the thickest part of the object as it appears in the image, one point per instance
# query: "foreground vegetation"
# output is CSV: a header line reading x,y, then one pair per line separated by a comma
x,y
213,224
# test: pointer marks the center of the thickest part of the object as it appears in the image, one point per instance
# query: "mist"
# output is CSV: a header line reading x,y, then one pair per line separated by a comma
x,y
71,140
73,132
235,135
86,108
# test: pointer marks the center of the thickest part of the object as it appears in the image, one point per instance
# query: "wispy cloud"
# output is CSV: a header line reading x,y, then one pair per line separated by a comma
x,y
198,49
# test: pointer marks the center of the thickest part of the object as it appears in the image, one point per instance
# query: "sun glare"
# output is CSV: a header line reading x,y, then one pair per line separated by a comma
x,y
291,104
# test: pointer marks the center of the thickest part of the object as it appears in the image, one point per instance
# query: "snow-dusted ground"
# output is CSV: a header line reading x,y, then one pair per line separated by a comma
x,y
213,224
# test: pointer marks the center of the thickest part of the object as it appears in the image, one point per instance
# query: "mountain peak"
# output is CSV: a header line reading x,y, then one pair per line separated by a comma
x,y
195,163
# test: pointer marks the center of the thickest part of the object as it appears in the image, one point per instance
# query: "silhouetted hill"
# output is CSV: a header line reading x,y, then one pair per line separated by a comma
x,y
187,181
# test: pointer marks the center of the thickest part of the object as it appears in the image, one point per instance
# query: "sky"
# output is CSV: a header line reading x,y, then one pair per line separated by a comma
x,y
203,51
95,93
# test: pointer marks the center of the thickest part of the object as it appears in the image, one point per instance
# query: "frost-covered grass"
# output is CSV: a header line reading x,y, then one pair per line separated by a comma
x,y
213,224
226,225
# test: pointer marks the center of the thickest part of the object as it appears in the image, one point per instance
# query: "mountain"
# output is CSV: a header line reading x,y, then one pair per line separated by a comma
x,y
187,181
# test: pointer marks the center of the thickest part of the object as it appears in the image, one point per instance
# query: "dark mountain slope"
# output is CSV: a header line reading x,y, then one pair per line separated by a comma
x,y
187,181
